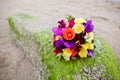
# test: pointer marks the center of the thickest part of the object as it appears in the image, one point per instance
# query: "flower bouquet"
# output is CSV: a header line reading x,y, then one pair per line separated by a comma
x,y
74,38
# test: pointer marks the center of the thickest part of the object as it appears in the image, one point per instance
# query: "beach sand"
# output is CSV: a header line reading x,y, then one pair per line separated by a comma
x,y
13,62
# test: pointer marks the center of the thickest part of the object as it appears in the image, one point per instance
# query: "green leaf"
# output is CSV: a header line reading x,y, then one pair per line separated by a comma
x,y
59,55
70,17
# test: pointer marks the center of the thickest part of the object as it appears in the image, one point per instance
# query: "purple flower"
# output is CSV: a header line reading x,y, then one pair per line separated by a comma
x,y
69,44
57,31
88,26
90,53
62,24
62,44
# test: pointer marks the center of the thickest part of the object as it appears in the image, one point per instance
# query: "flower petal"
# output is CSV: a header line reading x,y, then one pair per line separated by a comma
x,y
57,50
88,46
68,34
78,28
88,26
89,37
69,44
57,31
59,43
79,21
83,53
66,54
90,53
67,51
62,24
71,23
58,37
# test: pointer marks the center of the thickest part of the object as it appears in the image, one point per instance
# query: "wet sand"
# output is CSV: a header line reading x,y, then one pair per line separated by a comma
x,y
13,63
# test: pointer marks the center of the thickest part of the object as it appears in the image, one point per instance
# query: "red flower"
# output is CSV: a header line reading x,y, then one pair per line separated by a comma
x,y
80,38
75,49
71,23
77,37
73,53
57,50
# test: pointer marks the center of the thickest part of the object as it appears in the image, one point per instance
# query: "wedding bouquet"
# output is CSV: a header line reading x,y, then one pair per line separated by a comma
x,y
73,38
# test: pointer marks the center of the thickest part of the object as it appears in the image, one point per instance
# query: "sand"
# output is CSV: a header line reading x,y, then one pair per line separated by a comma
x,y
105,15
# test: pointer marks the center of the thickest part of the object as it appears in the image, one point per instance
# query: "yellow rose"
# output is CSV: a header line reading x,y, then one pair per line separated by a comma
x,y
78,28
79,21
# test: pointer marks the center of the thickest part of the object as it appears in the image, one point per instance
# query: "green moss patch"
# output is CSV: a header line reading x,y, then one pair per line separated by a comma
x,y
103,66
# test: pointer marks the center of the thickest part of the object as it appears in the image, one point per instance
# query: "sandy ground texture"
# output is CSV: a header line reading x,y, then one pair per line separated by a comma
x,y
105,15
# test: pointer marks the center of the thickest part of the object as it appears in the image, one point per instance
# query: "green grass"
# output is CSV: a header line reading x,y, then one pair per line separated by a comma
x,y
108,58
61,69
12,22
12,27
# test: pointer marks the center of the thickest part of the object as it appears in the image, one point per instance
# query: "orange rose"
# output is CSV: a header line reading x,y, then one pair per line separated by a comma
x,y
68,34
